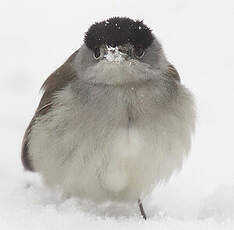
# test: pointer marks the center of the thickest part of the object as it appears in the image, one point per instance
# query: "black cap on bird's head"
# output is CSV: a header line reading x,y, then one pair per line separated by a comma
x,y
118,31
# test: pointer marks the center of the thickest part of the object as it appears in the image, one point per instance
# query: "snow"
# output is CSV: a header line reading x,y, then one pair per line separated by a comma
x,y
114,55
197,36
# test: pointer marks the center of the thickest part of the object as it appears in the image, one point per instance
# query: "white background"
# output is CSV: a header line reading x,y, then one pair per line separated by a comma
x,y
36,37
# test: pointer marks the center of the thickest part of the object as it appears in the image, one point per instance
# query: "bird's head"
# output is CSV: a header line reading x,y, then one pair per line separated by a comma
x,y
119,51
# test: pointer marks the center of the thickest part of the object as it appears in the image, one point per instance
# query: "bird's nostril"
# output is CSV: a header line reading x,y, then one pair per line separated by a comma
x,y
123,49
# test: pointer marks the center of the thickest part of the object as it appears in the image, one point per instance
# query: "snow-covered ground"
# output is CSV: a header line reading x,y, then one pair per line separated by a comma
x,y
198,38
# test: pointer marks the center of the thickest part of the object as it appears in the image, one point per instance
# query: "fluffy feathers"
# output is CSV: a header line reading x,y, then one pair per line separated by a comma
x,y
118,31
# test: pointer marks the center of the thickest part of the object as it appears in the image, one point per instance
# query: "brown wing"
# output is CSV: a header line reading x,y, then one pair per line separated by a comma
x,y
55,82
172,72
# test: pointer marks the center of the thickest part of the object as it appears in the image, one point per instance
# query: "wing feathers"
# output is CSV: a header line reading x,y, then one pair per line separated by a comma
x,y
55,82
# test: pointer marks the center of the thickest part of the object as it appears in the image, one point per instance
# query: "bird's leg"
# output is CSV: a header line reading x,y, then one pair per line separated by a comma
x,y
141,209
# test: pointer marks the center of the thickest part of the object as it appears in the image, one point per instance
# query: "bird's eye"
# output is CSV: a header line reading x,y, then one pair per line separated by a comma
x,y
97,53
139,52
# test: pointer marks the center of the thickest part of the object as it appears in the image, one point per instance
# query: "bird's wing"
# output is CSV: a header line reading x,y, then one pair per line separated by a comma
x,y
55,82
172,72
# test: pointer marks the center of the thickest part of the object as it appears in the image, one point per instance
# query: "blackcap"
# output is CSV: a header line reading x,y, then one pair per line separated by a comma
x,y
114,120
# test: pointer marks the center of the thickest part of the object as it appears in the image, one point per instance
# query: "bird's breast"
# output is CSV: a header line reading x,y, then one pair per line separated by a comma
x,y
111,143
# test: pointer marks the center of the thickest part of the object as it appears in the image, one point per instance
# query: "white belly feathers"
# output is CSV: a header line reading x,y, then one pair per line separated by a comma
x,y
103,158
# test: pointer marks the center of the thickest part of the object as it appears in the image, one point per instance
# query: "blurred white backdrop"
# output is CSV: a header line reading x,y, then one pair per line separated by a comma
x,y
36,37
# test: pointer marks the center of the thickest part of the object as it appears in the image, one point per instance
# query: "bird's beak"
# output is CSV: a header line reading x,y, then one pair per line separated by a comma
x,y
116,54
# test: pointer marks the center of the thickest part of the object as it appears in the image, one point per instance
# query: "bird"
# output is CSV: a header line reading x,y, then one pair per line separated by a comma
x,y
114,120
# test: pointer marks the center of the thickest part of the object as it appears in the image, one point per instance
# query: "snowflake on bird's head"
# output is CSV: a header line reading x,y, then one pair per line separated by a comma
x,y
118,31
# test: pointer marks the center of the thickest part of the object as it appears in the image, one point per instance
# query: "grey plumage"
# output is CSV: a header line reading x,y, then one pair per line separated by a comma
x,y
111,128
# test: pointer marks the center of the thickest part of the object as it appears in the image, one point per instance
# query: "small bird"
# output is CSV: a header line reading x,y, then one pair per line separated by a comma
x,y
114,120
